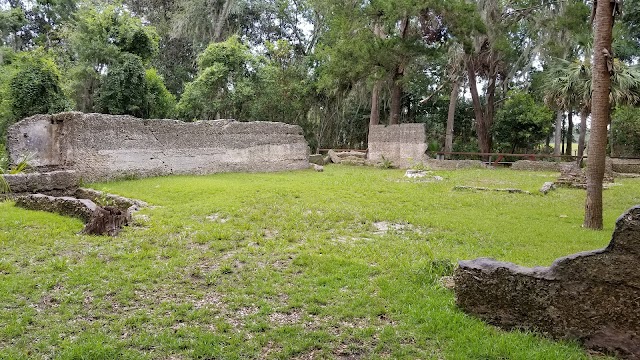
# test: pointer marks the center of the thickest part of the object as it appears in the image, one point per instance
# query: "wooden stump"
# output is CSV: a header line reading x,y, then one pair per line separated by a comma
x,y
107,221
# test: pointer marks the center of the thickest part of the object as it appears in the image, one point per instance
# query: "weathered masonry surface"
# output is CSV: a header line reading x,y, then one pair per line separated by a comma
x,y
593,297
101,147
404,145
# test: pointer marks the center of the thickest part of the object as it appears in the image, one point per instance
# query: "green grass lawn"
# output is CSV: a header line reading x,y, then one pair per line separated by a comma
x,y
281,266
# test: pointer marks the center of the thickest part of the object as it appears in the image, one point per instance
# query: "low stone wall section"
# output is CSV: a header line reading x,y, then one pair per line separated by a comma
x,y
56,182
626,166
106,199
404,145
529,165
82,209
454,164
102,147
592,297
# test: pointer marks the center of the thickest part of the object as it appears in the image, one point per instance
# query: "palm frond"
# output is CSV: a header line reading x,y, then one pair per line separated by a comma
x,y
21,167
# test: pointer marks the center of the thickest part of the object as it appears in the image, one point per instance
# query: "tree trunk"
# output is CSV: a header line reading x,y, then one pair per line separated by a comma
x,y
396,97
374,119
583,135
491,107
398,75
481,128
557,149
453,100
600,109
563,135
569,148
107,221
221,20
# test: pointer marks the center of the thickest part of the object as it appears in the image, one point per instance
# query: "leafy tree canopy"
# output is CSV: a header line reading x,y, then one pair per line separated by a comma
x,y
521,123
225,82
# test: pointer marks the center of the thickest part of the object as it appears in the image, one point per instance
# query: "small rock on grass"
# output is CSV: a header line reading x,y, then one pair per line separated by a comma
x,y
412,174
547,187
318,168
448,282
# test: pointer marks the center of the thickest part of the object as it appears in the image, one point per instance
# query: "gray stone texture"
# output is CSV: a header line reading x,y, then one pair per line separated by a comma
x,y
547,187
317,159
56,182
536,165
103,198
572,175
623,151
454,164
101,147
626,166
404,145
82,209
334,157
592,297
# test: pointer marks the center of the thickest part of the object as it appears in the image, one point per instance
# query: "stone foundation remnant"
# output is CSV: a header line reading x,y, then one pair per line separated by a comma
x,y
571,175
358,158
530,165
626,166
477,188
404,145
68,206
56,182
454,164
99,220
592,297
102,147
319,159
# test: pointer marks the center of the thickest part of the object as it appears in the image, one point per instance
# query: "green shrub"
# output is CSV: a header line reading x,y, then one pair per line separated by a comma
x,y
625,132
123,89
35,87
160,102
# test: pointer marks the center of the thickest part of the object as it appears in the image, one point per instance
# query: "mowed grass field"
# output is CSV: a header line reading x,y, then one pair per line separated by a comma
x,y
344,264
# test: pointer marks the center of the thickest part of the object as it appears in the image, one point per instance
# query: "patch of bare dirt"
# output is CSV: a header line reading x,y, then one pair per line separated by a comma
x,y
218,218
293,317
383,227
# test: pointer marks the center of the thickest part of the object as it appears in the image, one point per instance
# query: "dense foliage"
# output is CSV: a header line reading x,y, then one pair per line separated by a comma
x,y
331,66
521,124
625,137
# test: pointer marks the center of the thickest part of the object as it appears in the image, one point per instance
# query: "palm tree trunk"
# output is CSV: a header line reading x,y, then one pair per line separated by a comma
x,y
569,148
396,98
374,119
453,101
396,83
583,135
481,126
600,107
557,150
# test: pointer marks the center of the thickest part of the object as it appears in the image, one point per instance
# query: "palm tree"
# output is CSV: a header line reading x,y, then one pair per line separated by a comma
x,y
568,87
601,108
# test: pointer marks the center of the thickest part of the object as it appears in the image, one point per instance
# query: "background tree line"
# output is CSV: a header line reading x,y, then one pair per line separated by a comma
x,y
484,75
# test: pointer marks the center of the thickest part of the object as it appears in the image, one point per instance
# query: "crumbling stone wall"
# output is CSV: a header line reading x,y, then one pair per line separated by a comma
x,y
593,297
56,182
101,147
623,151
403,145
454,164
529,165
626,166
